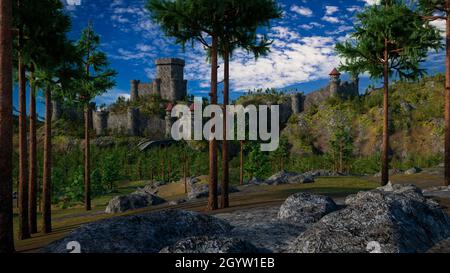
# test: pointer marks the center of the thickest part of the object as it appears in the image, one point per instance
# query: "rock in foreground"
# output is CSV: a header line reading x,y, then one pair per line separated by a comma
x,y
398,218
205,244
137,200
304,208
145,233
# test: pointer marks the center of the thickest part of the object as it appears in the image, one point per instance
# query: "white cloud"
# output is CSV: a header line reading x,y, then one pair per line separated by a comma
x,y
304,11
330,10
293,59
331,19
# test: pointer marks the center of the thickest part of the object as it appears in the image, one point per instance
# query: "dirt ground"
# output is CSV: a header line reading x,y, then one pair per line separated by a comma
x,y
249,197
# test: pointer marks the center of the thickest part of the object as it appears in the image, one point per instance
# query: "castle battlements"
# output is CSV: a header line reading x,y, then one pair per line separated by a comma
x,y
169,82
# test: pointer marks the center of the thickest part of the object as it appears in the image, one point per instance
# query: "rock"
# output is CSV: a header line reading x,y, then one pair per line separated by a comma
x,y
137,200
322,173
145,233
391,172
289,178
413,170
398,218
256,181
197,190
152,189
306,208
208,245
177,202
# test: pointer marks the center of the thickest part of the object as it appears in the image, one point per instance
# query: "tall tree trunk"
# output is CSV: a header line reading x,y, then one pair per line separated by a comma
x,y
32,163
24,228
447,101
47,181
87,159
6,129
385,149
212,200
241,169
225,201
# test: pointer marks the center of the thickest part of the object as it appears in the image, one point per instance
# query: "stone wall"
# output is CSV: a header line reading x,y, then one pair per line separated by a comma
x,y
131,123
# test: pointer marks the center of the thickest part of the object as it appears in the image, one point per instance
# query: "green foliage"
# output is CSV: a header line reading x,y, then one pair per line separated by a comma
x,y
257,162
95,75
392,27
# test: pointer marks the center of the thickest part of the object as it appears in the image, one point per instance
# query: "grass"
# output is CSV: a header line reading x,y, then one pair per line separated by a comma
x,y
66,220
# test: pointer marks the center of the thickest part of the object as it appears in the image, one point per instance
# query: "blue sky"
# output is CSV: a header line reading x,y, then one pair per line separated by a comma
x,y
301,57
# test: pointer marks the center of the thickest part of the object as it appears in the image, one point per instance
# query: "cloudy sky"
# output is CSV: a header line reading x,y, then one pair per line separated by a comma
x,y
301,57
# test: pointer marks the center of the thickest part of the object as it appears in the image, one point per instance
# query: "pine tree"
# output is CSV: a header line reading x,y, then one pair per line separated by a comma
x,y
388,38
96,79
6,128
432,10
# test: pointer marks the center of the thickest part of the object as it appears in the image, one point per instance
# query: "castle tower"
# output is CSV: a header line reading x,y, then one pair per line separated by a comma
x,y
335,81
57,110
134,90
133,121
297,103
170,73
101,122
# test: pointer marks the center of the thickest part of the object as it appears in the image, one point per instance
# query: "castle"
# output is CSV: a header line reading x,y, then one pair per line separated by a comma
x,y
172,87
169,83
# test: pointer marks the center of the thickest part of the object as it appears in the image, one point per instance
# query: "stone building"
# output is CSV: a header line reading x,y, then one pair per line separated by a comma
x,y
169,83
335,88
172,87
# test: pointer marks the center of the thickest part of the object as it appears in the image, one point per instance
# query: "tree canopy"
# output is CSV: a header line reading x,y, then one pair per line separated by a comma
x,y
408,41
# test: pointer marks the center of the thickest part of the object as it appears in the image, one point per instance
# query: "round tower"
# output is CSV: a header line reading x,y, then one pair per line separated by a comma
x,y
335,81
134,90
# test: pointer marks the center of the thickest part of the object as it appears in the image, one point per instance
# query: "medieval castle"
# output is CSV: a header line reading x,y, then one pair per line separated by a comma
x,y
172,87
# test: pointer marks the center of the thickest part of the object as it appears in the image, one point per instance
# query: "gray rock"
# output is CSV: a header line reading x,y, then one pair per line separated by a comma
x,y
289,178
413,170
208,245
177,202
306,208
256,181
150,189
322,173
145,233
197,190
397,217
391,172
137,200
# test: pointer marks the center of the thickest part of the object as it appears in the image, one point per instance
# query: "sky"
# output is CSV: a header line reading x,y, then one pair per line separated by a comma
x,y
301,57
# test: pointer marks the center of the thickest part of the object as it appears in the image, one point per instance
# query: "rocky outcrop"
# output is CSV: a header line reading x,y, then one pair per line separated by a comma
x,y
289,178
197,190
205,244
395,219
136,200
145,233
304,208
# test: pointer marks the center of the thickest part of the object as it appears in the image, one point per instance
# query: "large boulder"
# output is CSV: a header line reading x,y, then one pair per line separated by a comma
x,y
398,219
136,200
208,245
305,208
289,178
145,233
